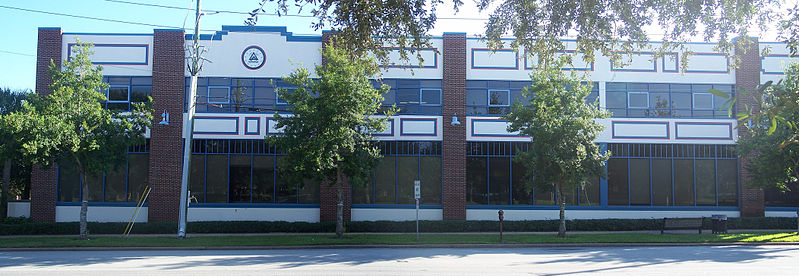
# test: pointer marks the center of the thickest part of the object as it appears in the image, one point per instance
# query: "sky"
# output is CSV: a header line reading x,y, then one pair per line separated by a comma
x,y
20,28
18,36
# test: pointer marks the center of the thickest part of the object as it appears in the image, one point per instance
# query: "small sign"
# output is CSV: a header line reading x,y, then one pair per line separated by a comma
x,y
253,57
416,189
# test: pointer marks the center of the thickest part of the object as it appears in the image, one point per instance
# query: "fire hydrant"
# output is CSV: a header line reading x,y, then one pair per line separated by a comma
x,y
501,218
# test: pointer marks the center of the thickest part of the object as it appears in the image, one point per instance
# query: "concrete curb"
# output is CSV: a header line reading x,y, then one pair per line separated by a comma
x,y
357,246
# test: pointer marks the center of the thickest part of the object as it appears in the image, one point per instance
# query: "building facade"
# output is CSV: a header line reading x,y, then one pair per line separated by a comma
x,y
673,146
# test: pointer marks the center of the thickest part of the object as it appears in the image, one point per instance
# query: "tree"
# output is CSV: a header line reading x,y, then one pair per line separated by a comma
x,y
10,101
771,137
328,135
368,26
563,154
611,27
71,125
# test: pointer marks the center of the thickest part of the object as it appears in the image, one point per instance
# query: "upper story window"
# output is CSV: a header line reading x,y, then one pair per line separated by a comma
x,y
497,97
122,91
666,100
237,94
412,96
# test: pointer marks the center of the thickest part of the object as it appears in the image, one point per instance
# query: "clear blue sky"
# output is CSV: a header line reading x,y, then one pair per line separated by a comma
x,y
19,28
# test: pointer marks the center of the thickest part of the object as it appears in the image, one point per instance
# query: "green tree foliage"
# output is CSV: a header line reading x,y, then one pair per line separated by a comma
x,y
71,125
771,137
10,101
614,27
561,124
368,26
328,136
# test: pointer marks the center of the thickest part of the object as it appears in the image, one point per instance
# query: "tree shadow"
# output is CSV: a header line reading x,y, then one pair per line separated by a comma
x,y
582,259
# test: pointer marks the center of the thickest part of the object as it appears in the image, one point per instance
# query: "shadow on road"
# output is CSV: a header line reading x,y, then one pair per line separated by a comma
x,y
579,258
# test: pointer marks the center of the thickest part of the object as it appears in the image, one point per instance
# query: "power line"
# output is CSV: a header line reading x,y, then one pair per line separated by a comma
x,y
15,53
268,14
205,11
89,17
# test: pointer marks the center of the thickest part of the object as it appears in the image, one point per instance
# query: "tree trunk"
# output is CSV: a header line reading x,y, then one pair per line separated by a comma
x,y
562,203
340,203
6,185
84,206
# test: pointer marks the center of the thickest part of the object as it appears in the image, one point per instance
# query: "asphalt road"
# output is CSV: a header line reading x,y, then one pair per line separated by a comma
x,y
691,260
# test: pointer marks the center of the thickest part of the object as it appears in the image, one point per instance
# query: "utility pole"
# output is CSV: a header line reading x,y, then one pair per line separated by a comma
x,y
194,69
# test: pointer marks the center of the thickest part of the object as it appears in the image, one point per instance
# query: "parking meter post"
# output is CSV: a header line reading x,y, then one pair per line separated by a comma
x,y
417,194
501,218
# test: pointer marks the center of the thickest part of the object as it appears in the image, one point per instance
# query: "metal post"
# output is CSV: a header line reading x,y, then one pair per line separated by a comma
x,y
189,129
417,194
417,219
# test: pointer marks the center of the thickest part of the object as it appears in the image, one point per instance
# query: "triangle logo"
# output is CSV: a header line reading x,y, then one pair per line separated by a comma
x,y
253,57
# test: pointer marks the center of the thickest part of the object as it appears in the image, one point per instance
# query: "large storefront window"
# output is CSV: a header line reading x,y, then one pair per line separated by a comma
x,y
494,178
672,175
244,171
393,177
125,184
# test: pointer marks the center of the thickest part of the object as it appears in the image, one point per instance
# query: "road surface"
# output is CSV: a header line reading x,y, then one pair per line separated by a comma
x,y
690,260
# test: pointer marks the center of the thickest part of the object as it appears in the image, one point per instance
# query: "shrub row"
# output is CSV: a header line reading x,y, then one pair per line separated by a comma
x,y
19,226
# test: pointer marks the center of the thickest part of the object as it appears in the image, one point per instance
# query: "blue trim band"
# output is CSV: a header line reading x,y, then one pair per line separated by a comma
x,y
253,205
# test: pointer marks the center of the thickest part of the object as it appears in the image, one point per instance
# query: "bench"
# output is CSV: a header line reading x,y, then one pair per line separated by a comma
x,y
682,223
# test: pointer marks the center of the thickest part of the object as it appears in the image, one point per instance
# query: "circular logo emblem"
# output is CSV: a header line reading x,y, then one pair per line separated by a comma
x,y
253,57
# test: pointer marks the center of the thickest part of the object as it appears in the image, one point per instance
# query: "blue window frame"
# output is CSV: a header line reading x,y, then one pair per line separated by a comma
x,y
494,178
497,97
392,179
703,101
219,94
667,100
124,90
637,100
412,96
123,186
672,175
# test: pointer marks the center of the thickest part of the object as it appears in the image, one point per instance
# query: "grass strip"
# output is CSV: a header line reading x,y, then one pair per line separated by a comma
x,y
390,239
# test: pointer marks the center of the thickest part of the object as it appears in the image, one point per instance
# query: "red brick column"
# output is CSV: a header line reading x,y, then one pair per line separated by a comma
x,y
166,141
328,200
454,136
328,194
44,182
747,78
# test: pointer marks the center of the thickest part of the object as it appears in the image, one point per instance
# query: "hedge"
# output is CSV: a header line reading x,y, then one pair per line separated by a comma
x,y
20,226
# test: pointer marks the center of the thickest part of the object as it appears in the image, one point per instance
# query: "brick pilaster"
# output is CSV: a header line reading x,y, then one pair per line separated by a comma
x,y
44,182
328,194
454,136
166,141
747,78
328,201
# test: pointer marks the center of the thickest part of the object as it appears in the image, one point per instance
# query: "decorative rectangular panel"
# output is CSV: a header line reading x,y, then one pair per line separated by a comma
x,y
429,59
708,63
504,59
775,64
418,127
670,63
252,126
388,131
216,125
491,128
639,130
637,62
117,54
703,130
